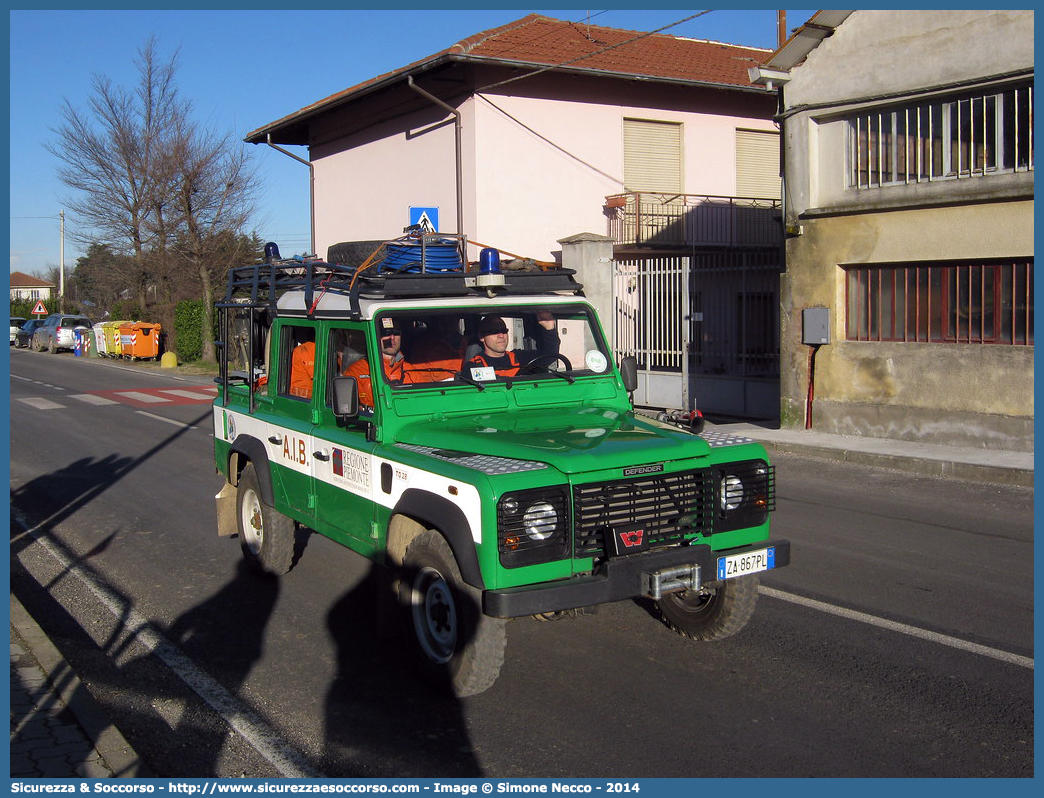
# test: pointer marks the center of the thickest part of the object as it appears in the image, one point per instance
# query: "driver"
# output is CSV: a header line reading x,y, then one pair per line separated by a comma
x,y
493,337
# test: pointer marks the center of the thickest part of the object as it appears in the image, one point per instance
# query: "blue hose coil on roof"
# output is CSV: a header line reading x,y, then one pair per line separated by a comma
x,y
406,258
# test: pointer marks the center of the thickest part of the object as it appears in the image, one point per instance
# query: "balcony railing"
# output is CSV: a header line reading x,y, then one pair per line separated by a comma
x,y
644,219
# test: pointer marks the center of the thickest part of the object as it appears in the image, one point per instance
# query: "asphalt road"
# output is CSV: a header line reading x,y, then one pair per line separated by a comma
x,y
898,643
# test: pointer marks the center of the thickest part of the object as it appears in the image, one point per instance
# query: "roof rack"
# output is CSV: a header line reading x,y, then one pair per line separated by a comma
x,y
393,276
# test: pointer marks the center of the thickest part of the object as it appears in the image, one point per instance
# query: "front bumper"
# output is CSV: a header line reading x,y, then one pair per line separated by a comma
x,y
616,579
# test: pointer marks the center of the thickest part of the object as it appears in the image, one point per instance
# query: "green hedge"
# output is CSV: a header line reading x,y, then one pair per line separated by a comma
x,y
188,323
188,319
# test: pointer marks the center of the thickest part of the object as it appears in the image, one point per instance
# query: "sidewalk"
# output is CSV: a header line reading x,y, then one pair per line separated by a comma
x,y
959,462
58,730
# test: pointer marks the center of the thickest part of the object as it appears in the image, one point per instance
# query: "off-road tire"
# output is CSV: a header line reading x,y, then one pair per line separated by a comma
x,y
458,648
52,346
719,613
265,535
351,253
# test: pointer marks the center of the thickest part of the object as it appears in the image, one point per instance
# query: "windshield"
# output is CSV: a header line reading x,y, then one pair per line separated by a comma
x,y
505,343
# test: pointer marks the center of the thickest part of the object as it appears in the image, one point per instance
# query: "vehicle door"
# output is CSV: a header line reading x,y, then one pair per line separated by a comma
x,y
290,415
342,466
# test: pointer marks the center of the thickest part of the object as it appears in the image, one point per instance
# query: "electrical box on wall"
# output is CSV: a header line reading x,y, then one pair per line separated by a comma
x,y
815,326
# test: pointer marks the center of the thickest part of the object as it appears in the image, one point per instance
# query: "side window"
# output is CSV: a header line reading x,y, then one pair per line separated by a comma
x,y
297,362
247,349
347,357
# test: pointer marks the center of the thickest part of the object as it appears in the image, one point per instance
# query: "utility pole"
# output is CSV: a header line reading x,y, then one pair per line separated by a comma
x,y
61,263
781,28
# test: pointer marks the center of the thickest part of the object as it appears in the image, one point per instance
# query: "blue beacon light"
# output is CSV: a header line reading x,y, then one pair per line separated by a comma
x,y
489,261
489,276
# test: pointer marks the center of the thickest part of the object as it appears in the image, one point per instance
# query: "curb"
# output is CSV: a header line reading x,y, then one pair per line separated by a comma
x,y
110,744
912,464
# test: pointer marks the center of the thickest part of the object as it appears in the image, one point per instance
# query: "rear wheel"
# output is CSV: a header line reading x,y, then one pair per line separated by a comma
x,y
459,648
712,613
266,536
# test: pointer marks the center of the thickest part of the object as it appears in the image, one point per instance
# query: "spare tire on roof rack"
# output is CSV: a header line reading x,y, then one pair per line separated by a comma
x,y
352,253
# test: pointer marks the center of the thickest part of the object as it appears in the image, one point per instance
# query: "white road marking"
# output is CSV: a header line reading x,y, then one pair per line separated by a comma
x,y
37,382
41,404
138,396
167,420
902,628
252,728
93,399
196,395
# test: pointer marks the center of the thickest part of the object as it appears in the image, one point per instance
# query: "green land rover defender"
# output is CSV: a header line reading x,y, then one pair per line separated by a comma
x,y
490,485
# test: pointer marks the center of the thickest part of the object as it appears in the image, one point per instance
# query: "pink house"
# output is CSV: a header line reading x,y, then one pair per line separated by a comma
x,y
550,118
587,145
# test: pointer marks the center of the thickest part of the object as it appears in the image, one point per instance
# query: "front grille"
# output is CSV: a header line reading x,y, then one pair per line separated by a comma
x,y
667,506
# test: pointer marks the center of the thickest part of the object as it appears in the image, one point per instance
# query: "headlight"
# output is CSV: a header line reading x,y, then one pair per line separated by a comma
x,y
746,494
540,521
532,526
731,491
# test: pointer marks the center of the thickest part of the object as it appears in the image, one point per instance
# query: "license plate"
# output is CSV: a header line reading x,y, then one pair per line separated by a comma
x,y
750,562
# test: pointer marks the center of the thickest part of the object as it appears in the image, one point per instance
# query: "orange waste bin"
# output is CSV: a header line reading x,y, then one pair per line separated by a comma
x,y
139,340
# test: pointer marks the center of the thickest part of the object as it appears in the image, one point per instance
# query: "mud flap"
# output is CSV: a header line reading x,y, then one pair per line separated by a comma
x,y
226,511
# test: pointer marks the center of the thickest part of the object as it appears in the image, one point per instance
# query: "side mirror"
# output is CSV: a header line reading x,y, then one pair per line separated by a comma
x,y
345,397
629,372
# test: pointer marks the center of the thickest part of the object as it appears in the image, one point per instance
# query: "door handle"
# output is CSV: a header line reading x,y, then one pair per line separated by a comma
x,y
276,439
321,455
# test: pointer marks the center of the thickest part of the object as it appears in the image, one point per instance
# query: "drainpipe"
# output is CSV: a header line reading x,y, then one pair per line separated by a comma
x,y
311,187
456,142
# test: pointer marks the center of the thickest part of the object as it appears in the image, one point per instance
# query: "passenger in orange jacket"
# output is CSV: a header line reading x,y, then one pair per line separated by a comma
x,y
391,360
302,369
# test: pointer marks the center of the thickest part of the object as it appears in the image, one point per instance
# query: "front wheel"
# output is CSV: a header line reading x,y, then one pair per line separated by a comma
x,y
266,536
712,613
459,648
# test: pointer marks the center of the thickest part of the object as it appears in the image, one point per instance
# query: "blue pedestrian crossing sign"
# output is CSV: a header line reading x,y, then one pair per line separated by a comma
x,y
427,218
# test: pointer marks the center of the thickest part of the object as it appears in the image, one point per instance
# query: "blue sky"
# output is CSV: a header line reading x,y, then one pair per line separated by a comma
x,y
243,69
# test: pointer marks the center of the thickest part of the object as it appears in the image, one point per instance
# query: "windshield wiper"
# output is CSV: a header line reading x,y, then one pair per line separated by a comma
x,y
541,369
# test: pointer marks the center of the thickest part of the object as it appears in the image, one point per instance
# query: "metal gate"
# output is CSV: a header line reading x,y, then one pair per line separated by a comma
x,y
704,329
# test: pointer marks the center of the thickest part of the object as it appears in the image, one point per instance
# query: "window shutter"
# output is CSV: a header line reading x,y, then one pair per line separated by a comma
x,y
652,156
757,164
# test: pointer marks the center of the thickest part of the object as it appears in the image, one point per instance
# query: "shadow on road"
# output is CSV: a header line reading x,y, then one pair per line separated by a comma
x,y
382,718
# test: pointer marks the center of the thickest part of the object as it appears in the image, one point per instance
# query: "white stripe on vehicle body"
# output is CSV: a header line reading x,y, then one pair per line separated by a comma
x,y
355,471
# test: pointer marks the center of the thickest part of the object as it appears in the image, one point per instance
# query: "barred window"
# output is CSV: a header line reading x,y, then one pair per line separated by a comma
x,y
966,136
958,302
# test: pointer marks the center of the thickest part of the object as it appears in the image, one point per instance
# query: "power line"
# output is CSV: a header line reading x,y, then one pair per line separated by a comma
x,y
596,52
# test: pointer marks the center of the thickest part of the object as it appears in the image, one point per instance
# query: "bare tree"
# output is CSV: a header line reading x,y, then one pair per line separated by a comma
x,y
155,186
113,156
213,191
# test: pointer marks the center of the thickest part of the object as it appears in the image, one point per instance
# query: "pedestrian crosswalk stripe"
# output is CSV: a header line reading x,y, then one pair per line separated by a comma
x,y
139,396
93,399
202,397
41,404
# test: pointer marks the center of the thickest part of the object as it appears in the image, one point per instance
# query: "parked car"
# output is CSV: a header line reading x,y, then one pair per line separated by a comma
x,y
16,323
24,336
58,332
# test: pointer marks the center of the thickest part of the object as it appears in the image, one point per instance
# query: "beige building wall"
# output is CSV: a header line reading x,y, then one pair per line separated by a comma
x,y
966,394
